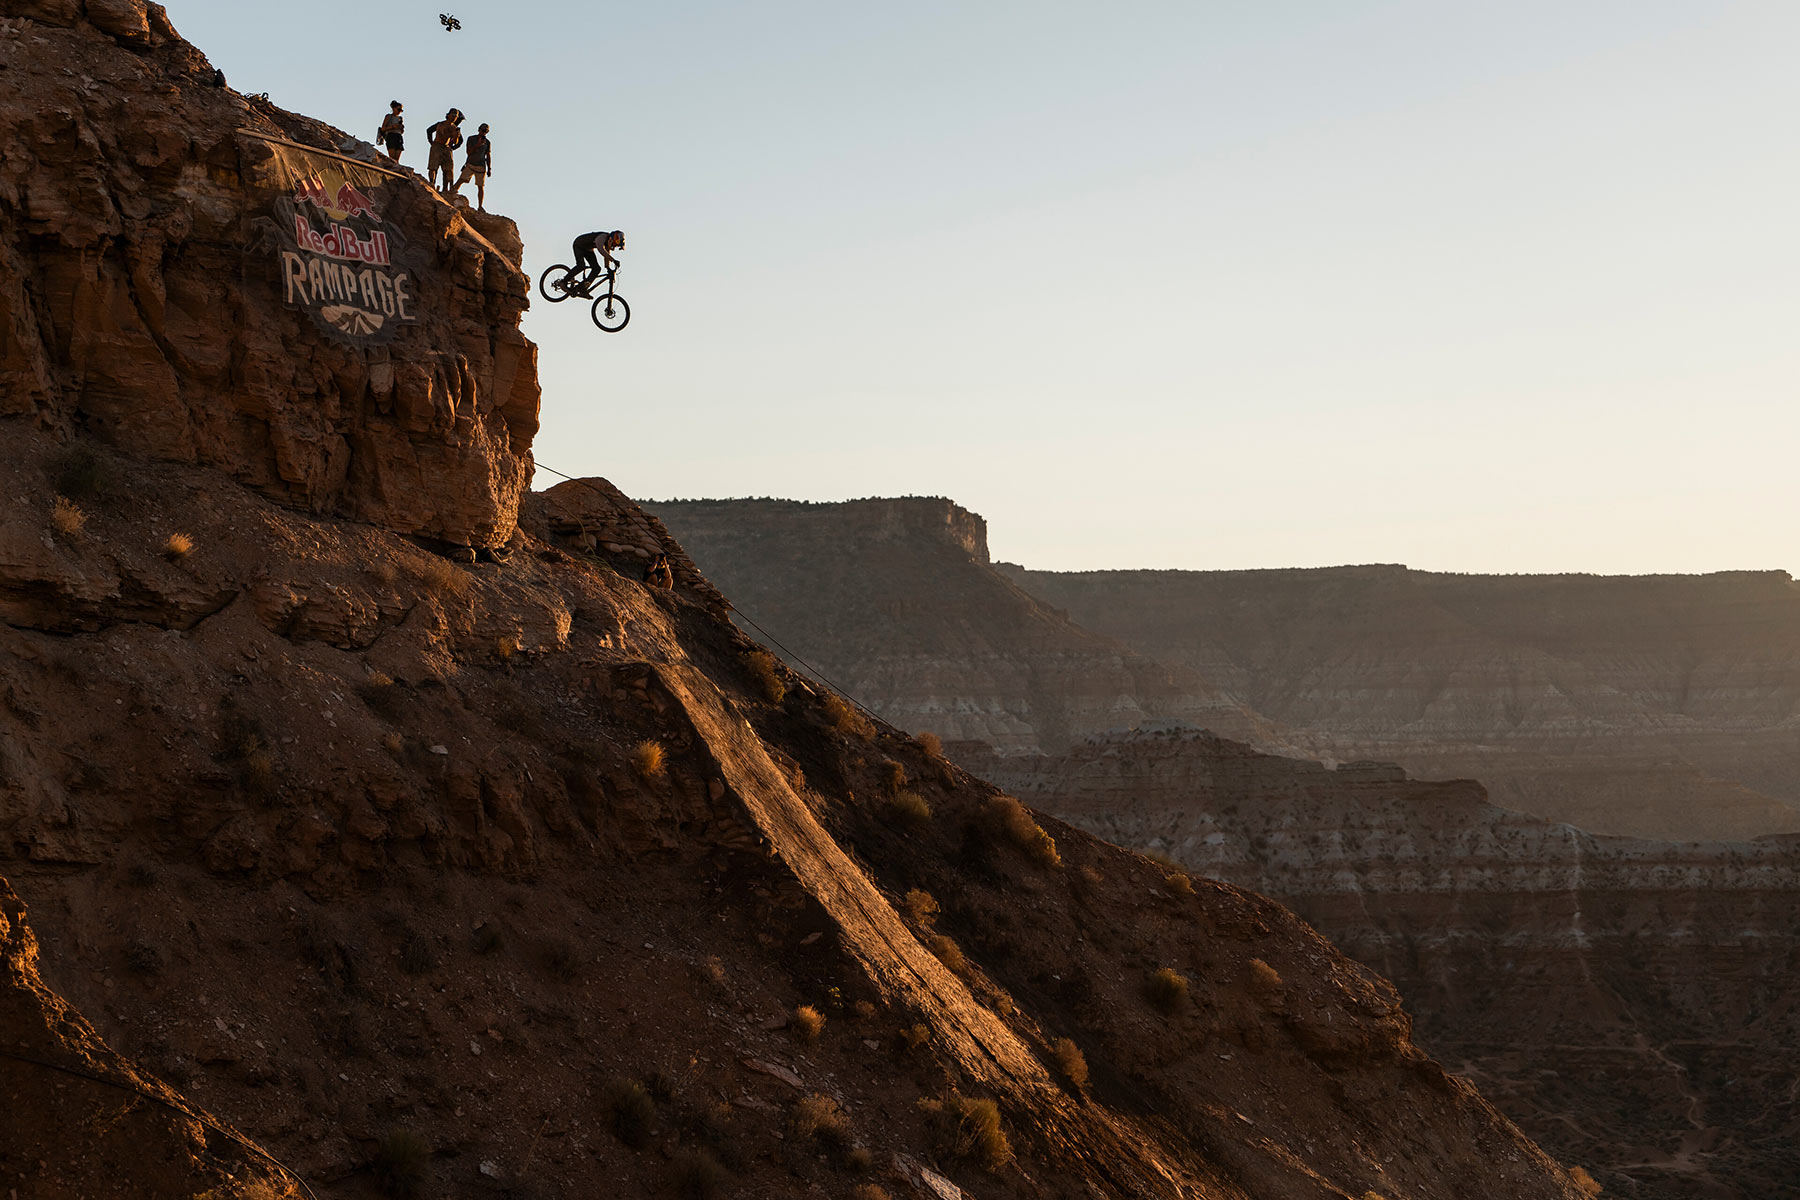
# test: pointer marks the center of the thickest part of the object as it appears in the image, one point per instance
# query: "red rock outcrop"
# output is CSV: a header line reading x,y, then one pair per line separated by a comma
x,y
154,291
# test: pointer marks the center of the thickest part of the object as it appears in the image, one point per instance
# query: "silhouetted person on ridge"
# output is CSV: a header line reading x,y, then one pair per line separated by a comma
x,y
477,166
445,136
392,131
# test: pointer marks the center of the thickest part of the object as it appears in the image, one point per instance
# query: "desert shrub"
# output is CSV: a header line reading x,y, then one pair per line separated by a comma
x,y
818,1118
1157,854
395,742
381,694
1265,977
560,960
696,1174
67,518
1014,822
969,1129
845,717
948,952
767,675
507,645
1587,1183
931,743
915,1037
869,1191
921,906
661,1086
629,1111
649,760
78,472
1167,989
714,969
442,576
1070,1061
417,956
909,811
808,1022
1179,884
399,1165
177,546
893,776
859,1159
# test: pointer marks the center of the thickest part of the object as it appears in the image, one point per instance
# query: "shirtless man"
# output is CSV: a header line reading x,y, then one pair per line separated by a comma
x,y
445,137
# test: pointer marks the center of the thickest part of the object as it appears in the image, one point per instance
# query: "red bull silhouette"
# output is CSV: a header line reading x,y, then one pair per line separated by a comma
x,y
353,203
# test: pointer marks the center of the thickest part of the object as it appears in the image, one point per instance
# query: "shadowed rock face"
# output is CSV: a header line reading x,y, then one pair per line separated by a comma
x,y
1630,1003
894,601
145,297
1660,706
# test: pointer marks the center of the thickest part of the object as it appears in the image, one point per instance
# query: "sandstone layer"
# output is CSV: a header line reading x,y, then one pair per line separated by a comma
x,y
1656,706
895,602
1630,1003
521,874
146,243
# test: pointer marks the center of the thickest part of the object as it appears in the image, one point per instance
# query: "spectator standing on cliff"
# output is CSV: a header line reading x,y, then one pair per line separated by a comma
x,y
393,130
445,136
477,166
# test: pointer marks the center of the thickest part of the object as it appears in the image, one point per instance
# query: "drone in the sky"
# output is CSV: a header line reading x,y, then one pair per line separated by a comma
x,y
450,23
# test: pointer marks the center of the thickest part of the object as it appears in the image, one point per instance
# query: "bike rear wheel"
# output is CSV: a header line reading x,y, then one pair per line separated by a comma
x,y
611,312
548,280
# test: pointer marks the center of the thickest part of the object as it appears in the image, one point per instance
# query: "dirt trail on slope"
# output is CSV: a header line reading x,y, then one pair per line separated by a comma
x,y
907,973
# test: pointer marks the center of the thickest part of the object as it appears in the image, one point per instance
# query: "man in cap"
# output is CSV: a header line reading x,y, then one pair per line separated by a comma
x,y
477,166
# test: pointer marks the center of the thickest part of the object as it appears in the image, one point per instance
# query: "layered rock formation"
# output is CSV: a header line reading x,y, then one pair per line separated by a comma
x,y
1657,706
201,277
894,601
1630,1003
514,874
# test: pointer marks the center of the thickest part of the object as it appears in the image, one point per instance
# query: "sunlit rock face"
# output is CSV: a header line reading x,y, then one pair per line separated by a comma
x,y
202,277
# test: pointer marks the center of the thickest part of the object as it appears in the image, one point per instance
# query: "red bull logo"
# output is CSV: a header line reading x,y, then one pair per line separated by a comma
x,y
352,203
349,200
311,190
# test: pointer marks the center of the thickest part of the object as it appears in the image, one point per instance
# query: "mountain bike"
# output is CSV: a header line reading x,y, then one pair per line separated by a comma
x,y
560,282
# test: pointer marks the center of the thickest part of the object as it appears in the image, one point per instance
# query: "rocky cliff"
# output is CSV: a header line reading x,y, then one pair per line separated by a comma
x,y
895,602
516,873
1628,1002
1656,706
199,276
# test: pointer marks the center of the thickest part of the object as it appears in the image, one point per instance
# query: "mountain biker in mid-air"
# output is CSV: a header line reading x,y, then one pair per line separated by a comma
x,y
585,247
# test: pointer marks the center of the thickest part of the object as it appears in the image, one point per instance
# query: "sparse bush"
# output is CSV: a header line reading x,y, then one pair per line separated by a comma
x,y
1587,1183
67,518
1167,989
443,577
818,1118
1070,1061
78,472
1016,824
661,1086
948,952
697,1175
400,1159
808,1022
921,906
381,694
932,744
714,970
845,717
763,669
395,743
649,760
629,1111
1265,977
860,1160
909,811
894,776
507,645
869,1191
914,1037
1157,854
970,1130
1179,884
864,1010
177,546
416,955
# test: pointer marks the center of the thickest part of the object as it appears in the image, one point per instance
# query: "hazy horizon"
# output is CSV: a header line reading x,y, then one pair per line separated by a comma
x,y
1153,285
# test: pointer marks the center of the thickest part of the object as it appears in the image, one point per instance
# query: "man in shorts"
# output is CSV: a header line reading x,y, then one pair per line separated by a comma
x,y
445,136
392,131
588,244
477,166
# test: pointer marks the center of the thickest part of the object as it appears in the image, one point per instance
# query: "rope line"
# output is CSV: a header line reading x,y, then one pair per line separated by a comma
x,y
738,612
185,1111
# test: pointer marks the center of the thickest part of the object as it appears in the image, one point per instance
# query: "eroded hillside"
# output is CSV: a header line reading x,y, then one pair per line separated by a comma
x,y
441,854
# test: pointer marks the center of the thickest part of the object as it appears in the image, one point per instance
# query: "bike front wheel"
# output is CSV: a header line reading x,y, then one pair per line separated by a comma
x,y
550,278
611,312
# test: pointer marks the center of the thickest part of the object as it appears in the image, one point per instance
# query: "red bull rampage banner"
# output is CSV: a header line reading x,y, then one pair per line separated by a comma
x,y
337,259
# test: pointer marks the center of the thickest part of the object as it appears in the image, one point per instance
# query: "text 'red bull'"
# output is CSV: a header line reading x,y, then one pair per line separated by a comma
x,y
342,243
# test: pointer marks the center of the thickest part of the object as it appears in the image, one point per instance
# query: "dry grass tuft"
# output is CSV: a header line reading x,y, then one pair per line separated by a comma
x,y
1587,1183
948,952
1070,1061
914,1037
1016,824
506,645
649,760
67,518
1179,884
970,1130
909,811
177,546
893,776
697,1175
395,742
845,717
1265,977
766,672
818,1118
869,1191
1167,990
921,906
931,743
629,1111
381,694
808,1022
443,577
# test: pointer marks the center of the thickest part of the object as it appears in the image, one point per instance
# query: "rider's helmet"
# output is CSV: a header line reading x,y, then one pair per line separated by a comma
x,y
615,240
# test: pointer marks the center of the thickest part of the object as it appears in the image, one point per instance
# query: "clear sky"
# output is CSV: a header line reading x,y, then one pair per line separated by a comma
x,y
1469,286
